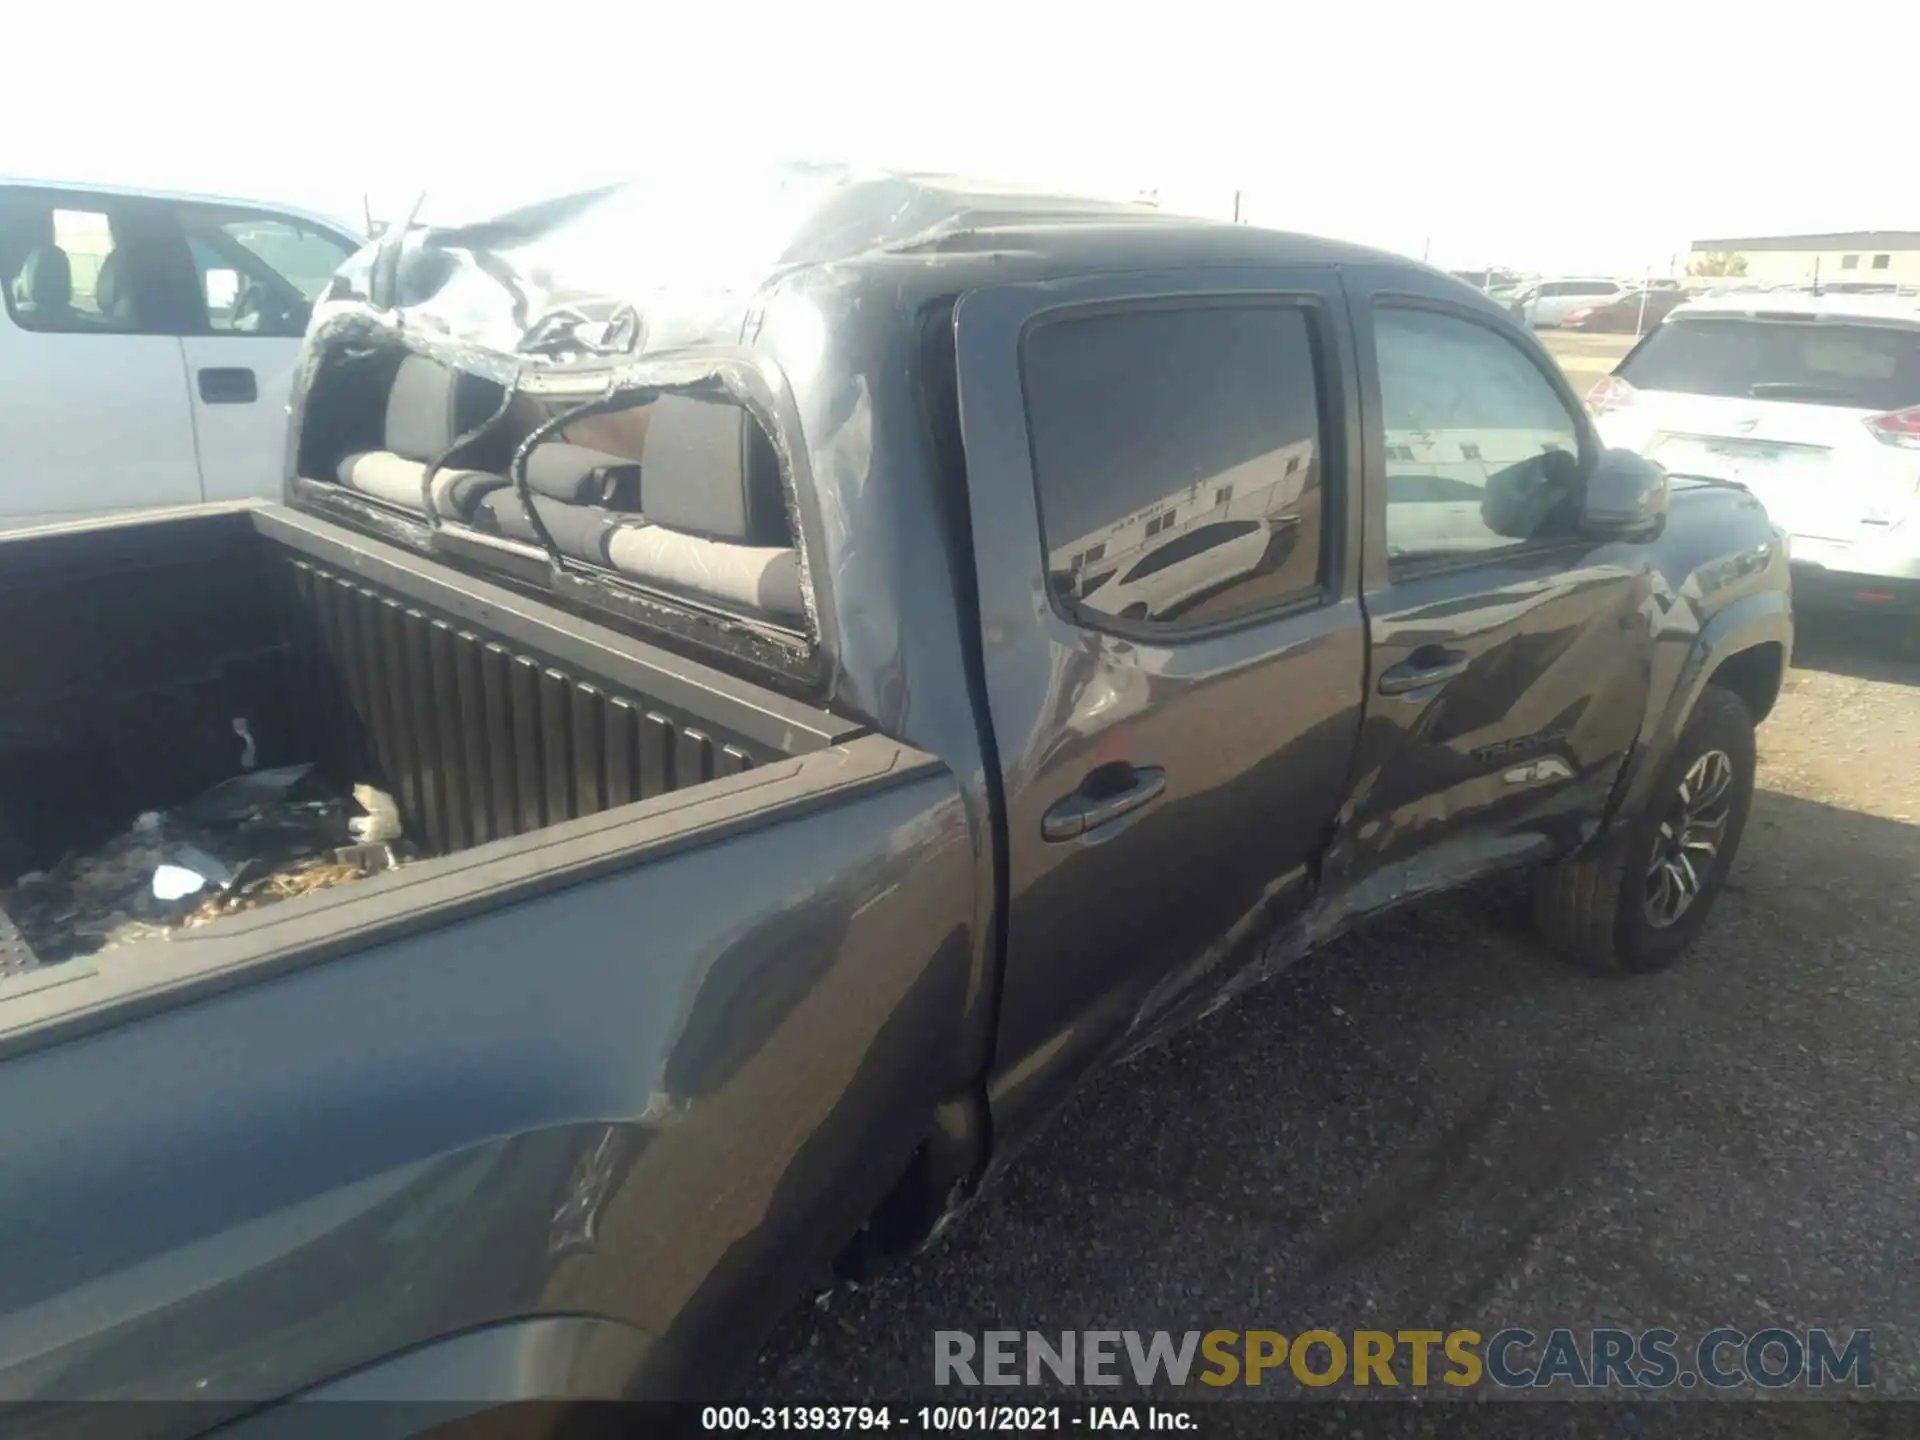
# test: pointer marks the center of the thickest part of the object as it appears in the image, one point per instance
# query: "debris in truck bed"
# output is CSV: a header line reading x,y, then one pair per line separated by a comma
x,y
254,840
188,871
242,796
382,820
348,863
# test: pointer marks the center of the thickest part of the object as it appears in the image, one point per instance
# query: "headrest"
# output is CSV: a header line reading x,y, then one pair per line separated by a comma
x,y
46,280
709,469
111,291
431,405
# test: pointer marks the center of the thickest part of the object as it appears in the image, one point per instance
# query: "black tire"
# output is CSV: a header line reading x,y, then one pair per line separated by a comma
x,y
1594,908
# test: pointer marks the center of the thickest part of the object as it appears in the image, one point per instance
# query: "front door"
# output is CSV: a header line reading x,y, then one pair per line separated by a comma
x,y
1509,659
1172,634
256,276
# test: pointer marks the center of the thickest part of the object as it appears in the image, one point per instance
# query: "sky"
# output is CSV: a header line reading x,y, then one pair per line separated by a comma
x,y
1590,138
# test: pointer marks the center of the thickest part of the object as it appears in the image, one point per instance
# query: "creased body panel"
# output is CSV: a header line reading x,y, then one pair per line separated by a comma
x,y
661,1095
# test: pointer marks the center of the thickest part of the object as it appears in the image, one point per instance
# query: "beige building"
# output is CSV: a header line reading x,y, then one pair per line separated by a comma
x,y
1892,255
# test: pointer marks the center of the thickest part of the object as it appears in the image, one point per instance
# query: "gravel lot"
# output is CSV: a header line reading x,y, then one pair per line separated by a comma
x,y
1433,1123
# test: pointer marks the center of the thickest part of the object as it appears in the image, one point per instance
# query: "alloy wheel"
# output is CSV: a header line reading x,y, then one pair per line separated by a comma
x,y
1687,844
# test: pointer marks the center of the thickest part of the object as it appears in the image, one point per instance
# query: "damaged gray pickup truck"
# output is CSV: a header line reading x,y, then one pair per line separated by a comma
x,y
846,659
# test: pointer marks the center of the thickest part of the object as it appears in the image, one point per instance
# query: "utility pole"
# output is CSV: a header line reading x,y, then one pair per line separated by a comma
x,y
1236,207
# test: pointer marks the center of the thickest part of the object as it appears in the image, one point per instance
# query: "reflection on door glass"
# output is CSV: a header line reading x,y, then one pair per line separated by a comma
x,y
1480,452
1177,457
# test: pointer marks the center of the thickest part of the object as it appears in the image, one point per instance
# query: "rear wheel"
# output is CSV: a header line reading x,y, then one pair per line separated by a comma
x,y
1634,905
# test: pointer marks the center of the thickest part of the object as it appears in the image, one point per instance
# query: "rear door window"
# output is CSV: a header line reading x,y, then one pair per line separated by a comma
x,y
65,261
1861,367
1177,452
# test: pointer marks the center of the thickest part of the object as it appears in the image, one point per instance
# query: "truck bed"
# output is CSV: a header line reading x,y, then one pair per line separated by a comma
x,y
149,661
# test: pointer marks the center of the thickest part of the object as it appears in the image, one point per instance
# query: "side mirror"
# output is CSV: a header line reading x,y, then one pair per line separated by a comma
x,y
1626,497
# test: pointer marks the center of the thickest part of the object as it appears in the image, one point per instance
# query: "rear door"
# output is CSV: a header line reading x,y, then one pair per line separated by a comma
x,y
256,275
1173,739
1508,663
93,399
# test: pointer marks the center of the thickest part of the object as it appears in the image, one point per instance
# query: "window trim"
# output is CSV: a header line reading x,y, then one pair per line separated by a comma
x,y
1334,510
1403,568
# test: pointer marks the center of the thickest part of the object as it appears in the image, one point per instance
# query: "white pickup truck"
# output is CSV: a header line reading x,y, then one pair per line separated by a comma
x,y
147,345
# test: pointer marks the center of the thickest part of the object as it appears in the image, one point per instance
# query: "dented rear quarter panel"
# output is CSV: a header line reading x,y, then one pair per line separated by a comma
x,y
659,1098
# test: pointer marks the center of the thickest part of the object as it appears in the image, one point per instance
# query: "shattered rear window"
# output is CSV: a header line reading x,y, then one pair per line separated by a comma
x,y
684,250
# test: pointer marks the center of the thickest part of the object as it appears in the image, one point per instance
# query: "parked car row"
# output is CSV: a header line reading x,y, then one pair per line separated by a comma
x,y
1546,303
1592,302
1632,312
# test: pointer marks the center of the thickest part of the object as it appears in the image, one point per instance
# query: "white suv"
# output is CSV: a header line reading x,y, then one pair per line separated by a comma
x,y
147,344
1812,402
1545,303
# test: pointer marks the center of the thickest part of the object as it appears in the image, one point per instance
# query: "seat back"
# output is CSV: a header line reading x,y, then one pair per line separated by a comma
x,y
45,283
431,405
709,469
113,292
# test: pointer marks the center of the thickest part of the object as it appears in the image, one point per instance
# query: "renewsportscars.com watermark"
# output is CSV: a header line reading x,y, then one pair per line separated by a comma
x,y
1513,1359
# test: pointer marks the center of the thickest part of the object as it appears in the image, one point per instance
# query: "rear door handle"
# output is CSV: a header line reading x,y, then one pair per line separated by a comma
x,y
1429,665
228,386
1113,796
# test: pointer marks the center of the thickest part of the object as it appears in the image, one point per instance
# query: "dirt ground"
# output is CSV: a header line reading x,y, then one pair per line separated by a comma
x,y
1433,1123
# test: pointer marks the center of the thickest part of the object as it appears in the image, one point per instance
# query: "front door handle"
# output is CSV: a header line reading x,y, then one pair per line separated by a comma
x,y
1429,665
1103,797
230,386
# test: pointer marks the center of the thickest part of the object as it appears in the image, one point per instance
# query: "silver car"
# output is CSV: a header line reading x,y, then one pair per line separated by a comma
x,y
1545,303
